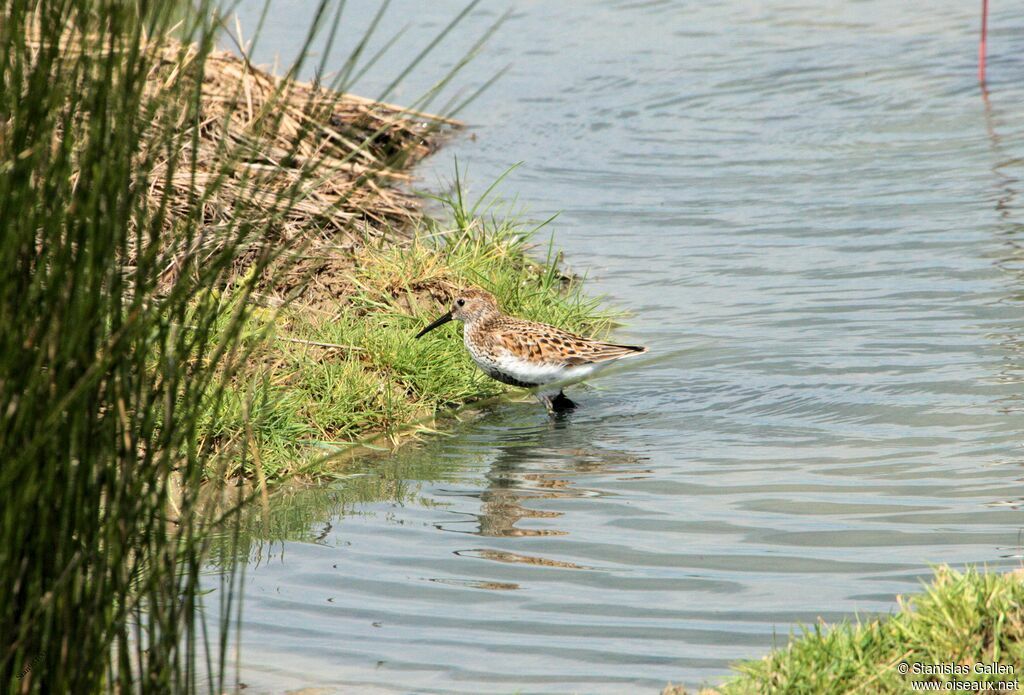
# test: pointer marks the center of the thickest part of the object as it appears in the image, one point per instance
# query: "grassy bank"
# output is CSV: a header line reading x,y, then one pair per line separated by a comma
x,y
358,268
337,369
968,619
159,201
205,271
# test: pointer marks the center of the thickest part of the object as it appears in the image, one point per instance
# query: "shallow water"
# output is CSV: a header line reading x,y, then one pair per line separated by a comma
x,y
814,215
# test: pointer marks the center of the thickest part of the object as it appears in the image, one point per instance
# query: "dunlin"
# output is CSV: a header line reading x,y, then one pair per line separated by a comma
x,y
528,354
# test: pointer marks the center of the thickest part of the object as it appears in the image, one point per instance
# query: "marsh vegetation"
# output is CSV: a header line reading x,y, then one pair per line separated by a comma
x,y
161,204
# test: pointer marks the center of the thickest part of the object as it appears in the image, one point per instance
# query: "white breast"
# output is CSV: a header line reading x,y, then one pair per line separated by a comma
x,y
527,371
530,372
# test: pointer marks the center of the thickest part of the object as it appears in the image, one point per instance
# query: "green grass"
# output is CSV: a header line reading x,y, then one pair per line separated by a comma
x,y
124,322
309,399
964,618
100,386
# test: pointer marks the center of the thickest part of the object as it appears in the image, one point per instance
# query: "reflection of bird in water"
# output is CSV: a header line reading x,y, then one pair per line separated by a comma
x,y
531,471
528,354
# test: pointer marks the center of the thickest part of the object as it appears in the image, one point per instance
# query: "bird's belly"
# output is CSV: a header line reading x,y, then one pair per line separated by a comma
x,y
515,371
500,372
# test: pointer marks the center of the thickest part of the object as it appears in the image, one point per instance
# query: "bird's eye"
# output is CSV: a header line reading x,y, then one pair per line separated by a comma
x,y
461,302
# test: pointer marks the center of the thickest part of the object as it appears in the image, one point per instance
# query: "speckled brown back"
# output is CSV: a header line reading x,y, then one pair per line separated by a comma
x,y
539,342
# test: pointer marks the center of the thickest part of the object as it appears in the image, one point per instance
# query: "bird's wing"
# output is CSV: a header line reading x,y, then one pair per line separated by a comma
x,y
593,351
544,343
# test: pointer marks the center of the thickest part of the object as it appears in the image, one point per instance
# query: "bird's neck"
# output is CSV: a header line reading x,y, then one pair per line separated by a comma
x,y
480,320
478,324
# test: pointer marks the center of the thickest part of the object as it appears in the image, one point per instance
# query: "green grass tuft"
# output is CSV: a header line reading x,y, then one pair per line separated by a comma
x,y
961,618
327,379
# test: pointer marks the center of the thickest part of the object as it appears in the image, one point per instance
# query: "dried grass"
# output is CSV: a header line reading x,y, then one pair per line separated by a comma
x,y
262,137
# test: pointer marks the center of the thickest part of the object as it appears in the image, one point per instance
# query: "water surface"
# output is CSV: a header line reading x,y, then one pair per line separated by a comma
x,y
813,213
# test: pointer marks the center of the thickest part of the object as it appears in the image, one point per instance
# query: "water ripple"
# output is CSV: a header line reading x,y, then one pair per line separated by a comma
x,y
815,218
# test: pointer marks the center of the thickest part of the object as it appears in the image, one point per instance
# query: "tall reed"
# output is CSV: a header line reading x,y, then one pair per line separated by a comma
x,y
121,316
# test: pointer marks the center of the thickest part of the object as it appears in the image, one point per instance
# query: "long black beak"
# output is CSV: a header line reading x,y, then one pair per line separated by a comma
x,y
440,322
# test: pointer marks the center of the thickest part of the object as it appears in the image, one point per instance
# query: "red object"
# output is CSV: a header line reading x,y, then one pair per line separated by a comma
x,y
984,39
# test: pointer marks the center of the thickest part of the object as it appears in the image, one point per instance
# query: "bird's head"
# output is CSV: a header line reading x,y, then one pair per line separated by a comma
x,y
470,305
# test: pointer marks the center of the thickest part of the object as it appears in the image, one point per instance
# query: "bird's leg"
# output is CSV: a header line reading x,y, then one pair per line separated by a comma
x,y
562,403
556,403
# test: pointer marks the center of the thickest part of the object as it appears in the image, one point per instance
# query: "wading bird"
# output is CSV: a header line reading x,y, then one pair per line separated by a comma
x,y
528,354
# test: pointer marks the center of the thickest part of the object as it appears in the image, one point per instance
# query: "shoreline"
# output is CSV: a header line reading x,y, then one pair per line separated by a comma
x,y
964,631
337,369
